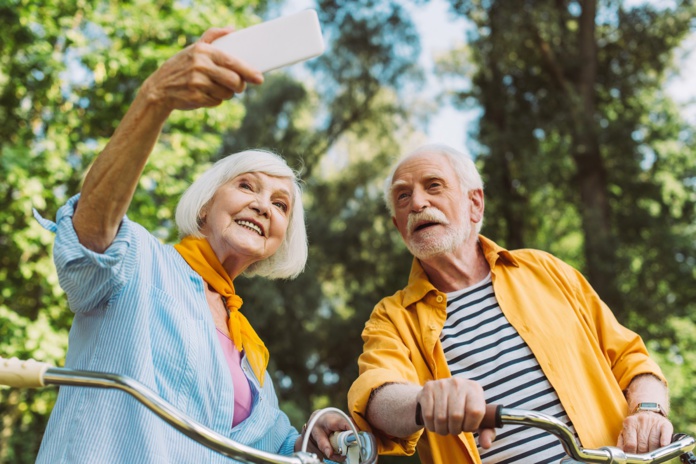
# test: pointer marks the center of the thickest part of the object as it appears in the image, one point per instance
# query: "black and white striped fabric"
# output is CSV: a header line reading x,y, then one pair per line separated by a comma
x,y
481,345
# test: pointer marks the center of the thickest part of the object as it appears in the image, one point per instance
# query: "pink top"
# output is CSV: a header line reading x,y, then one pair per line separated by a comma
x,y
242,390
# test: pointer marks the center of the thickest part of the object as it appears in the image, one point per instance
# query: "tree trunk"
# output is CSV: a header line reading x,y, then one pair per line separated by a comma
x,y
600,240
502,149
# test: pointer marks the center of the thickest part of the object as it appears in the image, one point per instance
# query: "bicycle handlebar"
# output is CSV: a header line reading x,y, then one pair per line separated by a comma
x,y
24,374
32,374
496,416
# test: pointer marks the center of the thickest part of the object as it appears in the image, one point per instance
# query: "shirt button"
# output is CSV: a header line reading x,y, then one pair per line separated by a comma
x,y
439,299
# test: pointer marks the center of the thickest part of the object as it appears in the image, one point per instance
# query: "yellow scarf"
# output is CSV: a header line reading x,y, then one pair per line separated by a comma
x,y
200,256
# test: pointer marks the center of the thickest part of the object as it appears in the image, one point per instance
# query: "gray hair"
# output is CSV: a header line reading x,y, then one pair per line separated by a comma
x,y
462,164
290,258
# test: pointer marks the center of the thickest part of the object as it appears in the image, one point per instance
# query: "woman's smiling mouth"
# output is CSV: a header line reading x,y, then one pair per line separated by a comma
x,y
250,225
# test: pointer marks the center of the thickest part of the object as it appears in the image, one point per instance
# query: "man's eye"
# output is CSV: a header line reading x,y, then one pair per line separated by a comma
x,y
402,195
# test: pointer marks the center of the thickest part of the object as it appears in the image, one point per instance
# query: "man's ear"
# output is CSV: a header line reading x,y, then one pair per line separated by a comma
x,y
477,205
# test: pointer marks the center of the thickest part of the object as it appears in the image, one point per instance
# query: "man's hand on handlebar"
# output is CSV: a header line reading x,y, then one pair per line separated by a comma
x,y
645,431
454,405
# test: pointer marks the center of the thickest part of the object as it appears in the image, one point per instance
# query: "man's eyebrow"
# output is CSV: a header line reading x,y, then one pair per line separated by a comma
x,y
398,184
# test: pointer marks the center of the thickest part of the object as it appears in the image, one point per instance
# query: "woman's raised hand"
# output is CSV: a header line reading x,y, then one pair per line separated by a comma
x,y
196,77
199,76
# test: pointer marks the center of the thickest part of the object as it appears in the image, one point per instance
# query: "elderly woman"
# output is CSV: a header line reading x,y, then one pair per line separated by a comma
x,y
169,316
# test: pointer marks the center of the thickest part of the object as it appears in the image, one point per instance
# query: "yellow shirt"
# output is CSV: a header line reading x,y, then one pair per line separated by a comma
x,y
587,356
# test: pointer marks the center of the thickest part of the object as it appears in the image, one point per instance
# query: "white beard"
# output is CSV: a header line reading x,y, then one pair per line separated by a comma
x,y
429,243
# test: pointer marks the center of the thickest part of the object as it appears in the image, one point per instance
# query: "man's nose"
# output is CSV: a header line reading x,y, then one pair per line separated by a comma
x,y
419,201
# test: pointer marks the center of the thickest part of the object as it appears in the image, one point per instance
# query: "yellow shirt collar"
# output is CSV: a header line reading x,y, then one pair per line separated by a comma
x,y
419,285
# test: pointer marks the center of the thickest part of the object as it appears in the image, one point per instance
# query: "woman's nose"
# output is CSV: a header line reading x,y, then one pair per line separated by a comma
x,y
262,205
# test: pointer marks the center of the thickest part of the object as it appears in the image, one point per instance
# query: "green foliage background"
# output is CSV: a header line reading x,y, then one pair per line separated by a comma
x,y
69,69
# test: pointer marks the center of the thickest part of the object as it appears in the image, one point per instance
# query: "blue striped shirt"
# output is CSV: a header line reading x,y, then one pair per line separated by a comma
x,y
141,311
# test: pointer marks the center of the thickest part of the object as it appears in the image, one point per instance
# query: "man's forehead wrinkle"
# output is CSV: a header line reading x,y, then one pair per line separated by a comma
x,y
430,175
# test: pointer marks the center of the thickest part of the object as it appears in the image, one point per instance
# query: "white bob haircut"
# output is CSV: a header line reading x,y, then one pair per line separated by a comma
x,y
462,164
290,258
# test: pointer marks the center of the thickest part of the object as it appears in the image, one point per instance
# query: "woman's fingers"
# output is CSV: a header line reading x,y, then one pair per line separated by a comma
x,y
200,76
220,58
226,61
319,441
215,33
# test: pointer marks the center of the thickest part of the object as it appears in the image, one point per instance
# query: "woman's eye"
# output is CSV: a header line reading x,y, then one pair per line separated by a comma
x,y
435,185
245,186
282,206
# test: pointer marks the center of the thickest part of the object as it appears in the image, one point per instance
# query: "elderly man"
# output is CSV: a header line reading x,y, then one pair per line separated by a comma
x,y
479,324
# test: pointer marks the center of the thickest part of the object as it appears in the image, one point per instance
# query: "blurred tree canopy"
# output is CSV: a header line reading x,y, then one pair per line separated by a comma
x,y
583,155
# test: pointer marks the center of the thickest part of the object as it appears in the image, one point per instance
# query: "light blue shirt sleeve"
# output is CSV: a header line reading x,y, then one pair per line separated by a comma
x,y
90,279
288,446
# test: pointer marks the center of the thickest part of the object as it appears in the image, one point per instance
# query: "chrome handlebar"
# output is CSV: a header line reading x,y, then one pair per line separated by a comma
x,y
18,373
497,416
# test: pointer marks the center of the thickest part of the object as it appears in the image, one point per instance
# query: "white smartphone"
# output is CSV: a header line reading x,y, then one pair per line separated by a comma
x,y
273,44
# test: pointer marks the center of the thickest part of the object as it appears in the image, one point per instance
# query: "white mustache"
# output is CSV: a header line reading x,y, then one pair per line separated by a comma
x,y
430,214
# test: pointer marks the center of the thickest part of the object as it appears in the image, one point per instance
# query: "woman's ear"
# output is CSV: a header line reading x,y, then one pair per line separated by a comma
x,y
202,216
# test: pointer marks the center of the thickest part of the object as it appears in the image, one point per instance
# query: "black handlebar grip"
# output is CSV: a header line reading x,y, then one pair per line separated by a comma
x,y
491,418
419,415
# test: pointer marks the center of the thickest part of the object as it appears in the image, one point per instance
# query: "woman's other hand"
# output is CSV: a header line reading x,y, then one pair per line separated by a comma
x,y
319,443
